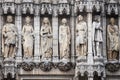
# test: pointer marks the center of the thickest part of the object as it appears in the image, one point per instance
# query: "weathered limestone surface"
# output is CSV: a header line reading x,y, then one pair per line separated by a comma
x,y
66,39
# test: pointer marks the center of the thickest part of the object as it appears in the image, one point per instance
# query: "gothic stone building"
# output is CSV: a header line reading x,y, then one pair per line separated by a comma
x,y
59,39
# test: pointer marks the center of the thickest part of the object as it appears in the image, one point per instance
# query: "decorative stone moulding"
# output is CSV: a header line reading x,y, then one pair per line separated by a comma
x,y
8,7
112,8
81,6
113,66
46,8
28,8
27,66
65,66
9,68
46,65
64,8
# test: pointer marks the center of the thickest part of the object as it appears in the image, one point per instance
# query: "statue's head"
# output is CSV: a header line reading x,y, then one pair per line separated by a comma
x,y
9,19
80,18
27,20
112,20
46,21
64,21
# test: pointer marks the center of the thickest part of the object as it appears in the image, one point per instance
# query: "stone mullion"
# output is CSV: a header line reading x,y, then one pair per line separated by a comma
x,y
89,21
72,25
18,23
104,32
119,31
37,35
55,34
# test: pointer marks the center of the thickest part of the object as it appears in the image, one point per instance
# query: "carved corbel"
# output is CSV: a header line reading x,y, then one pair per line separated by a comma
x,y
46,65
113,66
27,66
65,66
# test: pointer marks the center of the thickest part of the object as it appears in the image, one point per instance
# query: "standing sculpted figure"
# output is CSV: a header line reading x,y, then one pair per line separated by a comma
x,y
113,38
64,39
9,38
81,36
97,38
46,39
28,36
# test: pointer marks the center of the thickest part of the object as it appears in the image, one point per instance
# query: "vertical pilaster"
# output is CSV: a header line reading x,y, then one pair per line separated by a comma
x,y
72,25
119,30
36,35
104,32
55,33
89,21
18,23
1,24
1,57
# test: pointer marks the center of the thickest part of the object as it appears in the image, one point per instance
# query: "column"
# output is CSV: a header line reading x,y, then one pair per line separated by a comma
x,y
119,31
89,21
72,27
104,33
55,33
18,23
1,25
37,35
1,57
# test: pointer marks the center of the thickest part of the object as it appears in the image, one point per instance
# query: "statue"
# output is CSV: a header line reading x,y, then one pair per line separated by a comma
x,y
112,40
64,39
46,39
81,36
97,38
28,38
9,38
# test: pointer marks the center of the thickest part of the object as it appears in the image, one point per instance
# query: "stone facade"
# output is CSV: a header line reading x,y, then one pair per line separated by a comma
x,y
59,40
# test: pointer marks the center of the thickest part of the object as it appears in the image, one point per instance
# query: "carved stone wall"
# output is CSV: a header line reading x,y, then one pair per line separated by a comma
x,y
59,39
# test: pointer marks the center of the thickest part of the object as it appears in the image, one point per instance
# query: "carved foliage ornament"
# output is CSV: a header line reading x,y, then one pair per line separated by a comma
x,y
46,66
27,66
62,66
113,67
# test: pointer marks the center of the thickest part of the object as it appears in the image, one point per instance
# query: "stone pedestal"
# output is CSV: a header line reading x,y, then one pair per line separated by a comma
x,y
9,68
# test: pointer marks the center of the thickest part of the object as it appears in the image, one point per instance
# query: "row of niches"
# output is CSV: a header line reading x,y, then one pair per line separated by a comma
x,y
10,37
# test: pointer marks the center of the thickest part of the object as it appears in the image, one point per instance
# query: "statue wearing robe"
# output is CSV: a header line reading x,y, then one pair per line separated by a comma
x,y
64,39
28,38
9,38
46,39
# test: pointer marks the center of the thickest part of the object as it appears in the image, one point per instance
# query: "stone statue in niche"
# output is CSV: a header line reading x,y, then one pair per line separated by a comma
x,y
81,36
28,38
64,39
112,40
9,38
46,39
97,38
